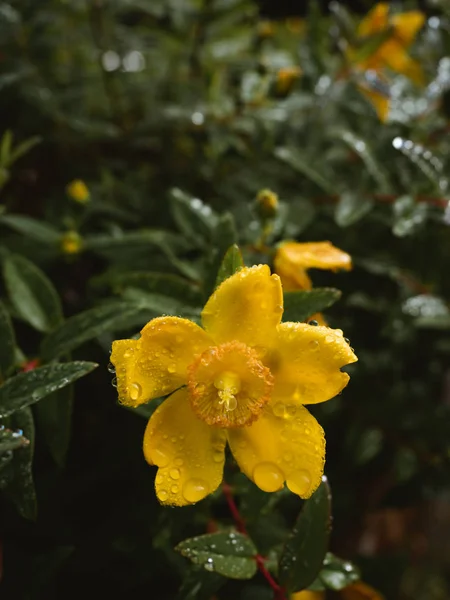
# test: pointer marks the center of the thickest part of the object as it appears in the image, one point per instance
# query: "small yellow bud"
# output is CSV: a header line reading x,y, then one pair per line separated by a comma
x,y
78,191
71,243
296,25
265,29
267,204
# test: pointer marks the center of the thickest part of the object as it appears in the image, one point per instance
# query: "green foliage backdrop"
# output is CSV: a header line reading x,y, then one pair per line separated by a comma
x,y
175,114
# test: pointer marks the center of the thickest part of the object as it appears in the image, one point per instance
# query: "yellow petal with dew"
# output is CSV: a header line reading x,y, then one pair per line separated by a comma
x,y
308,595
376,20
313,255
407,25
292,277
246,307
168,346
133,386
281,447
306,362
189,453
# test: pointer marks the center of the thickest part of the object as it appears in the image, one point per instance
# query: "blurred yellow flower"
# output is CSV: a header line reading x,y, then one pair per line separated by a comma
x,y
355,591
286,77
78,191
293,259
266,28
71,243
242,379
267,203
401,30
308,595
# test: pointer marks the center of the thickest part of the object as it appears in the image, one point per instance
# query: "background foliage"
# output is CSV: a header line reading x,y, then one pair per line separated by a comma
x,y
175,115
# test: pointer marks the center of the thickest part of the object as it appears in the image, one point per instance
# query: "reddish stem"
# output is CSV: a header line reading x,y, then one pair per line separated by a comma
x,y
278,591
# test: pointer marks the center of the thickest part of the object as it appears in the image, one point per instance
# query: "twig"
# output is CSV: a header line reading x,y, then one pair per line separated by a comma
x,y
279,593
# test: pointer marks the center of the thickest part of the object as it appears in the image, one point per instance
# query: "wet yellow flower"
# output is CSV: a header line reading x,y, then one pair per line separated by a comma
x,y
293,259
286,77
243,379
355,591
71,243
393,52
78,191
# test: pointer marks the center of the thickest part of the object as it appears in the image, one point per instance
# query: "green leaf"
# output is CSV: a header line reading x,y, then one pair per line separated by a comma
x,y
337,574
87,325
306,547
351,208
224,236
11,440
23,148
32,228
8,343
300,163
409,215
226,553
160,303
193,217
30,387
54,420
31,293
16,477
231,263
298,306
199,584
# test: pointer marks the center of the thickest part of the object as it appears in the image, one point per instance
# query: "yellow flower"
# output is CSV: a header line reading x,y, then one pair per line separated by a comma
x,y
78,191
293,259
286,77
266,28
355,591
307,595
71,243
393,52
243,379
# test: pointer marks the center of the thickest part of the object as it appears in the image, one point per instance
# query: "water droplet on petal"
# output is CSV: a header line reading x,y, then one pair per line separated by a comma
x,y
291,409
162,495
299,482
159,457
172,368
178,462
135,391
111,368
195,489
279,410
313,344
268,477
174,473
174,489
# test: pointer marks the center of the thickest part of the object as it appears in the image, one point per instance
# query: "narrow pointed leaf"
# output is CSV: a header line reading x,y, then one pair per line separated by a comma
x,y
298,306
7,345
231,263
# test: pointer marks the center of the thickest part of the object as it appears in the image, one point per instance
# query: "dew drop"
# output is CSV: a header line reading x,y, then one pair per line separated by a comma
x,y
194,490
313,344
178,462
162,495
291,409
114,382
172,368
268,477
218,456
159,457
174,489
111,368
299,482
279,410
307,431
135,391
329,339
209,564
174,473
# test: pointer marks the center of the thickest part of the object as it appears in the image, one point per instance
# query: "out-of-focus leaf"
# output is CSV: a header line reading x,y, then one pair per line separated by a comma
x,y
409,215
193,217
160,303
370,444
16,477
54,419
30,387
298,306
306,547
351,207
224,236
7,344
299,215
299,163
32,228
199,584
226,553
31,293
336,574
231,263
87,325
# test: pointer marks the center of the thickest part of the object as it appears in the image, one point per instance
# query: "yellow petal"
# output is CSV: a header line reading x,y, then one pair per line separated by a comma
x,y
168,346
246,307
306,362
275,449
307,595
189,453
360,591
396,58
380,102
313,255
292,277
407,25
375,20
132,386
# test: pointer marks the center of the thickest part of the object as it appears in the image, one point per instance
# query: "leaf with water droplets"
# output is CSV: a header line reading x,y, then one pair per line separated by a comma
x,y
298,306
301,164
16,477
336,574
30,387
409,216
199,584
8,343
305,549
226,553
194,218
54,422
231,263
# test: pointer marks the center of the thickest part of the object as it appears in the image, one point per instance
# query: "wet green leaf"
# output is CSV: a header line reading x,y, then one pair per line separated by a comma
x,y
409,215
336,574
351,207
231,263
300,163
194,218
226,553
298,306
54,420
30,387
306,547
8,343
31,293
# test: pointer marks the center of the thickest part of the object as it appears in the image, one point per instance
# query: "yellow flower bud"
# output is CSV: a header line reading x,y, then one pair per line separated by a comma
x,y
286,77
267,204
71,243
78,191
265,29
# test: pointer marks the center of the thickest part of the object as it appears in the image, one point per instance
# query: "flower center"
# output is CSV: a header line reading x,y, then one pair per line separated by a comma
x,y
228,385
